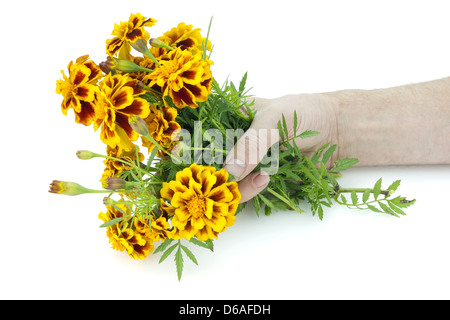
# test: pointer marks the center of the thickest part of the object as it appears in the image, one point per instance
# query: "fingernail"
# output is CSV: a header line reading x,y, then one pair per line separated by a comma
x,y
235,167
260,180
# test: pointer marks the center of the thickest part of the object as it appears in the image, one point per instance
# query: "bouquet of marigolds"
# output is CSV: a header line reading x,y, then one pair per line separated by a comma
x,y
170,191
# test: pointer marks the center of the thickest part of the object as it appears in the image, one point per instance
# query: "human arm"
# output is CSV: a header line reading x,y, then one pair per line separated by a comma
x,y
403,125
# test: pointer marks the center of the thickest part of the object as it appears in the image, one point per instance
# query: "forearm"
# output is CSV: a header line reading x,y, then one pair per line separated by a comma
x,y
404,125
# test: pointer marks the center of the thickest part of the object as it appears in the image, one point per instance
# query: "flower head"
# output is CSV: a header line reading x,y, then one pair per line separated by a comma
x,y
117,100
79,89
126,33
161,126
182,36
184,77
123,236
116,168
202,202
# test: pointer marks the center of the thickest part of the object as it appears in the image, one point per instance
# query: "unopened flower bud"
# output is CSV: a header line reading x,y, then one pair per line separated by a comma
x,y
140,46
114,183
85,154
105,67
138,124
107,201
124,65
67,188
156,43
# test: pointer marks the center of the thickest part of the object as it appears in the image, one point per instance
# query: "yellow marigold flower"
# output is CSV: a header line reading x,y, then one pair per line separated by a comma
x,y
184,77
161,125
184,37
113,167
202,201
126,238
126,33
156,231
117,100
79,89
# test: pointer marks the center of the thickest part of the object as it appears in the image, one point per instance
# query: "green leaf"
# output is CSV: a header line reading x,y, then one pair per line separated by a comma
x,y
320,212
112,222
207,244
386,209
256,205
343,199
280,130
377,189
163,245
396,209
344,164
179,263
366,195
267,210
394,185
374,209
327,155
402,202
189,254
354,198
285,128
267,202
308,134
242,83
167,253
295,123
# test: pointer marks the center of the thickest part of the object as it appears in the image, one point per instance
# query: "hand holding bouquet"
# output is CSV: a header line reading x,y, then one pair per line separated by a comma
x,y
171,189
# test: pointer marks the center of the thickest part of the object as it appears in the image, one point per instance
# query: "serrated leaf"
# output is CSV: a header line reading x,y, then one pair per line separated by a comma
x,y
343,199
344,164
308,134
202,244
179,263
395,208
354,197
242,83
386,209
167,253
320,212
295,123
256,205
189,254
285,128
112,222
377,189
366,195
374,209
402,202
267,202
394,185
327,155
280,131
267,210
163,245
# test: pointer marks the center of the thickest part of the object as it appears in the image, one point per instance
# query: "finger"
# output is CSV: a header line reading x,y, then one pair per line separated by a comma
x,y
251,148
253,184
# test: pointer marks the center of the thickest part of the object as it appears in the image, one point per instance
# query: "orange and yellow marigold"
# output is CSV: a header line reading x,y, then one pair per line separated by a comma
x,y
202,202
79,89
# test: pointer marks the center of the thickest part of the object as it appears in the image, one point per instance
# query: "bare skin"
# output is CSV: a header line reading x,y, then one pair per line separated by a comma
x,y
405,125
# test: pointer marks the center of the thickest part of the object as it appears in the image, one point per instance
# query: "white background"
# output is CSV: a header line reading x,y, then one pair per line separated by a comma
x,y
51,245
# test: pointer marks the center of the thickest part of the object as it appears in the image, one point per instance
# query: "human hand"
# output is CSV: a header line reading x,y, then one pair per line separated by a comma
x,y
315,112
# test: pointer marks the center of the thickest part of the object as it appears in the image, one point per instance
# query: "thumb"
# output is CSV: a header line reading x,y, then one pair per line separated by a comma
x,y
251,148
